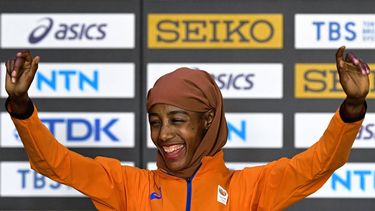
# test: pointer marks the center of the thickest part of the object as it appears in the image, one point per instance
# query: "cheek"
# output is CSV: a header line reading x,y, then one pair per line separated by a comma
x,y
195,137
154,136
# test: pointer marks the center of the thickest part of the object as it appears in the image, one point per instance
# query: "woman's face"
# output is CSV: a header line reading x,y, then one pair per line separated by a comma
x,y
176,133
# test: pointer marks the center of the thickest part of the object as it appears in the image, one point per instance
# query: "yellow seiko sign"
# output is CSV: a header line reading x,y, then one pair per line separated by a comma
x,y
215,31
322,81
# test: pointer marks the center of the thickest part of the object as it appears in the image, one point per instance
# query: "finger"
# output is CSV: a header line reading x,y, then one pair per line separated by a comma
x,y
351,57
368,68
21,57
34,67
9,72
7,65
340,53
18,63
365,67
13,73
26,54
8,79
339,58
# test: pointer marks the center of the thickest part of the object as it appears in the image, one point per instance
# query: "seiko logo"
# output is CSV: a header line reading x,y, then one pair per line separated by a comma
x,y
215,30
321,81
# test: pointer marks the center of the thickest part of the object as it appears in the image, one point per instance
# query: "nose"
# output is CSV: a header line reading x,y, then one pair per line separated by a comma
x,y
166,132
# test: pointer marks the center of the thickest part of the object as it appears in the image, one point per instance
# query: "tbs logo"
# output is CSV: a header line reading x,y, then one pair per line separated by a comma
x,y
67,31
334,31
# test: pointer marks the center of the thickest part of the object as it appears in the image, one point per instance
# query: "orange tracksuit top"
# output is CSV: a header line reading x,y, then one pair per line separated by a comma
x,y
110,186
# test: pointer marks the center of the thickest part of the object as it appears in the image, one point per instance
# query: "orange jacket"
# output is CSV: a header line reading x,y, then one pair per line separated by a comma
x,y
114,187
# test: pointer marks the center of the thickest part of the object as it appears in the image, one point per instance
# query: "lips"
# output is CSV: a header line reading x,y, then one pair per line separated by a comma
x,y
173,152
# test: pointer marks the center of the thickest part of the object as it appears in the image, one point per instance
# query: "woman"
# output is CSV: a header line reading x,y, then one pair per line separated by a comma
x,y
188,127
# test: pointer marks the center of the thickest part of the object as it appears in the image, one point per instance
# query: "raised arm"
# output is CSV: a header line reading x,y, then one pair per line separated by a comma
x,y
289,180
101,178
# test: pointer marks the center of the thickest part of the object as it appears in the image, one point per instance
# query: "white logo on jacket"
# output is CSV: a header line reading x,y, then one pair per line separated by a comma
x,y
222,195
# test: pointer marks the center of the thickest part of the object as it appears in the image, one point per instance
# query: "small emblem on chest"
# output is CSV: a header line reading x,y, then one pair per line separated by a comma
x,y
155,195
222,195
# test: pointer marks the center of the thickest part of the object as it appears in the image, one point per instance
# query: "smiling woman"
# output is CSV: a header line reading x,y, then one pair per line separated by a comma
x,y
177,133
183,114
188,126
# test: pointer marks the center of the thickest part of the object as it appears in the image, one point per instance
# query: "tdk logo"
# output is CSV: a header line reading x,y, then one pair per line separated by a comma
x,y
73,129
81,129
67,31
335,31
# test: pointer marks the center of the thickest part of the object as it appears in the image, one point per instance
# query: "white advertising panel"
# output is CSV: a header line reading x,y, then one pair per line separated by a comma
x,y
238,80
329,31
18,180
353,180
78,80
51,30
309,127
79,129
250,130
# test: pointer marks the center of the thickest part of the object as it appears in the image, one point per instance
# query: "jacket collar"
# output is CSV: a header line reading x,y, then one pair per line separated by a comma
x,y
209,165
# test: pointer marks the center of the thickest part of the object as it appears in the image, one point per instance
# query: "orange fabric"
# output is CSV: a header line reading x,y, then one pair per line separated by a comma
x,y
114,187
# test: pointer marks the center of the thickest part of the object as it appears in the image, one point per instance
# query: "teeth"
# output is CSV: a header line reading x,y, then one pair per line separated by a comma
x,y
172,148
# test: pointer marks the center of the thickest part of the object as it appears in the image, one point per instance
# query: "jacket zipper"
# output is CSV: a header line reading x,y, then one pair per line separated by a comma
x,y
189,186
188,200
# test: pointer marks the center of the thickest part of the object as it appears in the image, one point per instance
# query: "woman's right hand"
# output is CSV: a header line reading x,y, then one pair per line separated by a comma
x,y
20,74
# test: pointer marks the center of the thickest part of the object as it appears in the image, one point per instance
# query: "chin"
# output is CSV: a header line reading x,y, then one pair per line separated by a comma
x,y
176,166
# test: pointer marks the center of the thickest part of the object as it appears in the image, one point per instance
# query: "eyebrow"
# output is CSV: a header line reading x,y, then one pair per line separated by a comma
x,y
170,113
178,112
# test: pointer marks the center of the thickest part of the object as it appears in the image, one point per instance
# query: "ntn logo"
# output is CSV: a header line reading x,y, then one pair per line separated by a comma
x,y
238,131
362,179
67,77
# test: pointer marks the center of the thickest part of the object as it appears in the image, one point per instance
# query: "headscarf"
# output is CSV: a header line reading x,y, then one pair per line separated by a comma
x,y
192,90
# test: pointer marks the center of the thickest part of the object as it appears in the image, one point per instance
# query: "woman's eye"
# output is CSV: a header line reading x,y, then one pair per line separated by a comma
x,y
154,123
178,121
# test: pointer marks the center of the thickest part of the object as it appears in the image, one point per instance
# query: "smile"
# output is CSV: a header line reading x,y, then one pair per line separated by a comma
x,y
173,151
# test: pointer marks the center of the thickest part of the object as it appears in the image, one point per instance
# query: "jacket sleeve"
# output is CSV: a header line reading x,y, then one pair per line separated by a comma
x,y
101,178
288,180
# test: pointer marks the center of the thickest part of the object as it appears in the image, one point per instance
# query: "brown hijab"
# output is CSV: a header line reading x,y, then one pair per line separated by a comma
x,y
192,90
